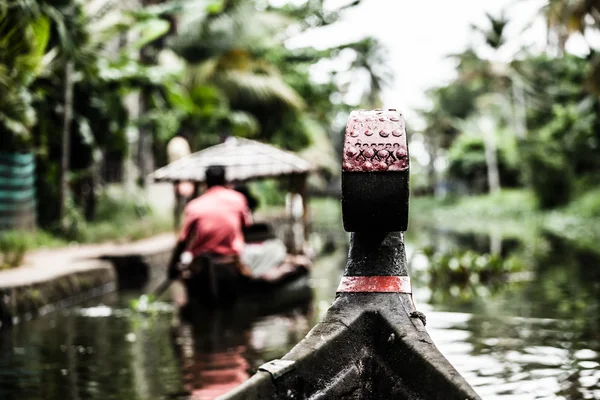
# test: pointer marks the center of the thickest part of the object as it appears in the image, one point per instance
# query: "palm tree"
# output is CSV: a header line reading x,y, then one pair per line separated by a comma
x,y
371,61
227,51
493,78
248,63
61,77
565,17
492,74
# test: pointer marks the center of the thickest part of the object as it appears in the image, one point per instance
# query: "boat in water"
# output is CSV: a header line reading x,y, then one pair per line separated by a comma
x,y
372,342
277,260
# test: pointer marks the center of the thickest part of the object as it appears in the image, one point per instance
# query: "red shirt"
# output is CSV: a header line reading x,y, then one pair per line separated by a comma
x,y
220,214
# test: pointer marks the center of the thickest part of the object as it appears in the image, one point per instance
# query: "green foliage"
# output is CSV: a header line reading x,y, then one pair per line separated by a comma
x,y
549,173
564,137
120,217
586,205
467,163
23,41
112,207
73,225
325,211
511,214
150,306
223,71
251,68
143,303
269,193
514,203
13,246
465,267
545,119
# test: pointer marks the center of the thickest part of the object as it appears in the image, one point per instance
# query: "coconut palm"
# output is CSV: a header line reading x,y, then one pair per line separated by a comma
x,y
371,62
86,104
463,105
565,17
491,73
239,49
226,50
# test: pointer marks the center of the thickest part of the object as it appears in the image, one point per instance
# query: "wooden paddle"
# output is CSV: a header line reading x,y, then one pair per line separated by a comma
x,y
160,289
186,259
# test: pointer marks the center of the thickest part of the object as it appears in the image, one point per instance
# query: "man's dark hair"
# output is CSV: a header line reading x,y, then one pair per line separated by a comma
x,y
215,176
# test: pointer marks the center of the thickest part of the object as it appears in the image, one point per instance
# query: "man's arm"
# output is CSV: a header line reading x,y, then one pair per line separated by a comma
x,y
172,271
184,237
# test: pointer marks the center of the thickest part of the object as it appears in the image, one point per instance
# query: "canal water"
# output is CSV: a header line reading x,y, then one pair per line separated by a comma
x,y
531,334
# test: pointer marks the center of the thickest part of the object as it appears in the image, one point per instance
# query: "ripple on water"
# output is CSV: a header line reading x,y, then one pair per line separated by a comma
x,y
513,358
100,311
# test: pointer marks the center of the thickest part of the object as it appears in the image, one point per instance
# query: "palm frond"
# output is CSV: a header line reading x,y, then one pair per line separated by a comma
x,y
247,88
203,36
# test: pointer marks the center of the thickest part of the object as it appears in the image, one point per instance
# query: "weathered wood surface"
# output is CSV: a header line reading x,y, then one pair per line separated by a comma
x,y
375,172
370,344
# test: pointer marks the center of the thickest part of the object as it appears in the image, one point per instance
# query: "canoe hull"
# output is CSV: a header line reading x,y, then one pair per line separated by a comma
x,y
251,297
366,347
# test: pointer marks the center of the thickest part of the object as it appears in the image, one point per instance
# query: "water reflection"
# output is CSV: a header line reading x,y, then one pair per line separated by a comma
x,y
533,336
100,351
217,350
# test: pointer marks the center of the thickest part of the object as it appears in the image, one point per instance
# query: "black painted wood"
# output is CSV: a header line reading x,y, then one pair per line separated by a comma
x,y
376,254
375,201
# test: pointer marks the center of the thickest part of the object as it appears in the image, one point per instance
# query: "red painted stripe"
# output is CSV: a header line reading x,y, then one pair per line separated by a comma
x,y
375,284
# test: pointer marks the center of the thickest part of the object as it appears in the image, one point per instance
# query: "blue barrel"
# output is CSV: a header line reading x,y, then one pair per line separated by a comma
x,y
17,191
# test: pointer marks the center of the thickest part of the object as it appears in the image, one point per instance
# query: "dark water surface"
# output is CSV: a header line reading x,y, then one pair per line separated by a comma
x,y
536,336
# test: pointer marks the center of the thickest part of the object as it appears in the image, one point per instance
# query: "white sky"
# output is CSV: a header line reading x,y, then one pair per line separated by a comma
x,y
421,33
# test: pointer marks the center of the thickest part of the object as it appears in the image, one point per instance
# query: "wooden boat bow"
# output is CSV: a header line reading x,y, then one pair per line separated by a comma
x,y
372,342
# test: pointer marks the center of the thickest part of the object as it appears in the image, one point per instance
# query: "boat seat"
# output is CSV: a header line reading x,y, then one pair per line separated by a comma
x,y
259,232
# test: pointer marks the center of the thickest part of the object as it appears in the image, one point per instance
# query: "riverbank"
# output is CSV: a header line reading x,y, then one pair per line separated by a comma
x,y
55,278
120,217
511,214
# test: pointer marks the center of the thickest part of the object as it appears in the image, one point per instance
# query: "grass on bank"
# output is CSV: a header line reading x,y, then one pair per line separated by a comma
x,y
118,218
511,213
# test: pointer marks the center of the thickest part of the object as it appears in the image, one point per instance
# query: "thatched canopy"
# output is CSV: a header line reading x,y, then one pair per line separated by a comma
x,y
243,159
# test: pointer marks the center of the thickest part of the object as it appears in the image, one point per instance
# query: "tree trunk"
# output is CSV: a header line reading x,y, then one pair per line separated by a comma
x,y
66,141
148,56
519,108
432,150
145,155
491,159
93,181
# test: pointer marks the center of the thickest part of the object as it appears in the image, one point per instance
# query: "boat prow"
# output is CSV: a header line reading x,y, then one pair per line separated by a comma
x,y
366,347
372,342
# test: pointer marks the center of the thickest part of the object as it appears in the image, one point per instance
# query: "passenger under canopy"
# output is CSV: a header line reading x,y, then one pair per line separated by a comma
x,y
269,258
247,160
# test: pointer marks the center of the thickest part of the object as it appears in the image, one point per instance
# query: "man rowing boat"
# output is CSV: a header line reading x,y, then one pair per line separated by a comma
x,y
212,236
212,252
